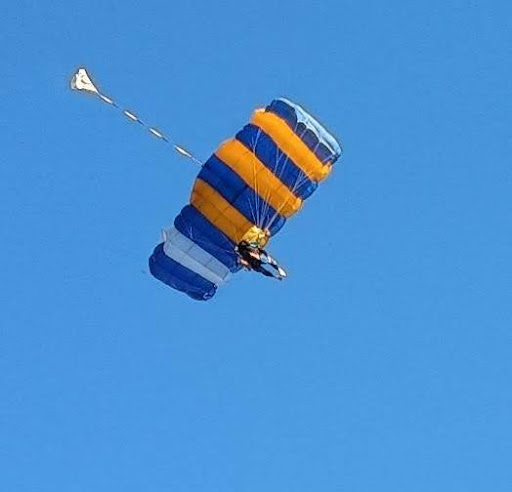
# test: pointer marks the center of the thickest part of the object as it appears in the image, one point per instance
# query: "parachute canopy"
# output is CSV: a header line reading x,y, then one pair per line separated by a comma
x,y
245,191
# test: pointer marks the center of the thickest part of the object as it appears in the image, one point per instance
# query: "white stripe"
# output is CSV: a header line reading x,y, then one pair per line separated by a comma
x,y
187,253
155,132
182,151
130,115
105,98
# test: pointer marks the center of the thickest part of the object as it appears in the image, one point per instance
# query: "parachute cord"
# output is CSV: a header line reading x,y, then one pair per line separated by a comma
x,y
259,213
253,210
299,180
264,197
281,160
82,82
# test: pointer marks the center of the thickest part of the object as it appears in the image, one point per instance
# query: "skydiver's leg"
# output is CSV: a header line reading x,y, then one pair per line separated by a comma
x,y
265,272
280,271
273,263
263,258
266,258
270,261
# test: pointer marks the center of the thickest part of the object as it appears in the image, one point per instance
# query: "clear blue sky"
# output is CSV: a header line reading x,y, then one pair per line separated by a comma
x,y
382,364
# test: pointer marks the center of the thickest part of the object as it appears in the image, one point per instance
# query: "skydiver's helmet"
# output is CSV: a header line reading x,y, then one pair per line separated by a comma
x,y
244,244
248,251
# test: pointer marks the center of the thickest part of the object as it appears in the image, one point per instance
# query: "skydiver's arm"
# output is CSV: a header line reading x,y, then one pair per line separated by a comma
x,y
244,263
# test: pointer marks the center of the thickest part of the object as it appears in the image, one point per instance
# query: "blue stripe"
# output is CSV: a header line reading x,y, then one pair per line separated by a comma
x,y
194,225
178,277
315,141
241,196
276,160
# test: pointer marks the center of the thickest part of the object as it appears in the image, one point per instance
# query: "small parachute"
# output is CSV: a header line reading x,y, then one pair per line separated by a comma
x,y
82,82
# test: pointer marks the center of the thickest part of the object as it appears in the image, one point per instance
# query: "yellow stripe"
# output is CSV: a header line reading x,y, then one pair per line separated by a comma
x,y
263,181
219,211
291,145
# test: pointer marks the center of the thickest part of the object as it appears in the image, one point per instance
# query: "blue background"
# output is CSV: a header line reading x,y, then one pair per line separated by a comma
x,y
382,363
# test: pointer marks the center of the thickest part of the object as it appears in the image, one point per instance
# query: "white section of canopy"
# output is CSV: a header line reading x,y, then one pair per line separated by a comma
x,y
303,116
187,253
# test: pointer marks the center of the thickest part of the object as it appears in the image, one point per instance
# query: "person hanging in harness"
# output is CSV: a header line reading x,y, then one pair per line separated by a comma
x,y
252,257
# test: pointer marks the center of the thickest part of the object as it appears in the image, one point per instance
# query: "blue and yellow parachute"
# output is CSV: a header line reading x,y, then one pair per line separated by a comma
x,y
245,191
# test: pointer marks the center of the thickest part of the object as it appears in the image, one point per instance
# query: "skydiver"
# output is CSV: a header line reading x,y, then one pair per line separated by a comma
x,y
252,257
